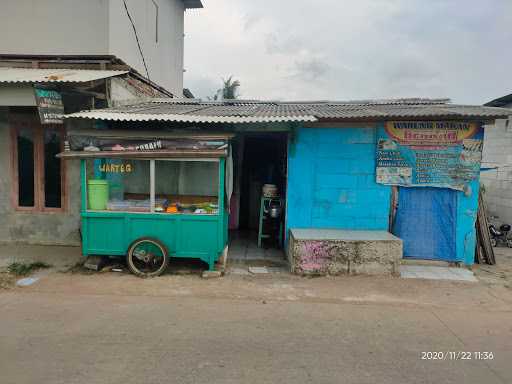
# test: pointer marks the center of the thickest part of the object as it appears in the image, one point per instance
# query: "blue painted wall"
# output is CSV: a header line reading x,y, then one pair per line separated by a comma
x,y
331,184
467,207
331,180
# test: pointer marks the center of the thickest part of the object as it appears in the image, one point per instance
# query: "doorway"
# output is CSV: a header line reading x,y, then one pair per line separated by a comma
x,y
258,159
426,221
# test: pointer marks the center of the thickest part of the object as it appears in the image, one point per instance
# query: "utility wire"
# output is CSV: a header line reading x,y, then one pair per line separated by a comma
x,y
136,38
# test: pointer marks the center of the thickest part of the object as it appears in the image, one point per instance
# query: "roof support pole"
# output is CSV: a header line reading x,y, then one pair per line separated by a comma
x,y
152,184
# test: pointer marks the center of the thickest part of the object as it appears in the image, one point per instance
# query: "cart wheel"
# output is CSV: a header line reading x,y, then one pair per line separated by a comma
x,y
147,257
494,243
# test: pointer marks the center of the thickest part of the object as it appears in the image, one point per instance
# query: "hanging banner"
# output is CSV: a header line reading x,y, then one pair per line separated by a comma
x,y
50,106
442,154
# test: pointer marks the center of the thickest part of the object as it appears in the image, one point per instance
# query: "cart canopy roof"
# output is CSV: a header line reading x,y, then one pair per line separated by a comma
x,y
145,144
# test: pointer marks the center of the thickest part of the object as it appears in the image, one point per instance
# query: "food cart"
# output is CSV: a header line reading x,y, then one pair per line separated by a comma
x,y
151,198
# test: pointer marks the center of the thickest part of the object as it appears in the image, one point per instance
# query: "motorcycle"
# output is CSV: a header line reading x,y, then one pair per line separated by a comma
x,y
500,236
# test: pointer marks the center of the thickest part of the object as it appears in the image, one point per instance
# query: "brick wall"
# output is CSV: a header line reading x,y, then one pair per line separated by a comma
x,y
331,180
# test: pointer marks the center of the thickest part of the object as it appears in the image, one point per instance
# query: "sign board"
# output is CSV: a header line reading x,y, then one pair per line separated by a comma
x,y
50,106
429,153
112,167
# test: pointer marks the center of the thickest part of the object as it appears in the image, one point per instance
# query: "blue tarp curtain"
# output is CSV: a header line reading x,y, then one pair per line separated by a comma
x,y
426,221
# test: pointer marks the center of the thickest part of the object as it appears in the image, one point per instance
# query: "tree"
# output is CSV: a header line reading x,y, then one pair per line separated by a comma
x,y
229,90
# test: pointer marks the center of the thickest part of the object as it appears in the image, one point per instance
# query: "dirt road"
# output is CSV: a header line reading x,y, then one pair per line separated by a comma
x,y
111,328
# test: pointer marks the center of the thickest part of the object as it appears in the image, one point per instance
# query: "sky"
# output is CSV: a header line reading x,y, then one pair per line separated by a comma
x,y
351,49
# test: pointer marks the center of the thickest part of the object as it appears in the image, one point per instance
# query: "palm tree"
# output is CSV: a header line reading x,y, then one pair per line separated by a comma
x,y
229,89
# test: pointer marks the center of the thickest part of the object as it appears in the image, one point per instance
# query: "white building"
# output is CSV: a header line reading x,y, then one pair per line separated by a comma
x,y
102,27
496,172
87,51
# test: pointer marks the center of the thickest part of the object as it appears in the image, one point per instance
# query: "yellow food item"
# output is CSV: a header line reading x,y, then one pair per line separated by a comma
x,y
172,210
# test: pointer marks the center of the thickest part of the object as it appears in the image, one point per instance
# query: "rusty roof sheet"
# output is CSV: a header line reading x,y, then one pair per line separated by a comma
x,y
250,111
67,75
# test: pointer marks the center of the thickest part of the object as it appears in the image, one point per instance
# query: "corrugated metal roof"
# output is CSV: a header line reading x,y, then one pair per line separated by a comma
x,y
503,101
104,115
242,111
399,111
37,75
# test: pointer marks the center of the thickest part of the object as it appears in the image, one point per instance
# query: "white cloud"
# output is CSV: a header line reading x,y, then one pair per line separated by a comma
x,y
351,49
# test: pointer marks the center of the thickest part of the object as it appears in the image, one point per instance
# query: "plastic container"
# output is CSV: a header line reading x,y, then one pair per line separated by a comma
x,y
118,205
97,194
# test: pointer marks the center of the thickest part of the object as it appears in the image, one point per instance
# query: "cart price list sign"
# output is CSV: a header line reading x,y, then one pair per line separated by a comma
x,y
429,153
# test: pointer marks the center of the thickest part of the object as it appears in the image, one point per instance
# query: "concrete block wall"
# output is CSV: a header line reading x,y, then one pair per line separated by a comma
x,y
36,227
497,154
335,257
331,180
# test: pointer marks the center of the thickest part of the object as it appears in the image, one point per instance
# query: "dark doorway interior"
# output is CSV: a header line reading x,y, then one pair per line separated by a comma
x,y
264,162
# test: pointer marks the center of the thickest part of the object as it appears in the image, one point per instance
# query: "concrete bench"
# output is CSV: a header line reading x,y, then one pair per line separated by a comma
x,y
336,251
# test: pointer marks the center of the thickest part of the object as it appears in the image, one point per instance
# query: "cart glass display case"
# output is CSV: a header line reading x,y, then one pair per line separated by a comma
x,y
180,186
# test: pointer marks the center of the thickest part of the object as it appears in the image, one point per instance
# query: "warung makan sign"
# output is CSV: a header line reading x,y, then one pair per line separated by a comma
x,y
443,154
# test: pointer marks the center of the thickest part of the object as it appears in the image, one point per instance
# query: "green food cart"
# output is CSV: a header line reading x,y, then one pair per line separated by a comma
x,y
152,199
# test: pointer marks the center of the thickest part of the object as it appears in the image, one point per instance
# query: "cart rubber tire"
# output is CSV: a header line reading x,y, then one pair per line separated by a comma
x,y
129,256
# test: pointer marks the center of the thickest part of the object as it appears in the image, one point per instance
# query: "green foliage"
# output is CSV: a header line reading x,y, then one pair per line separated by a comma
x,y
22,269
229,90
